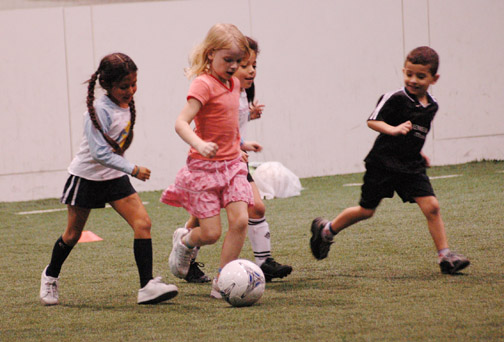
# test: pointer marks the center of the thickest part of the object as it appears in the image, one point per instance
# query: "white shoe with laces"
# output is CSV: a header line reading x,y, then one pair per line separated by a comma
x,y
156,292
48,289
180,256
215,292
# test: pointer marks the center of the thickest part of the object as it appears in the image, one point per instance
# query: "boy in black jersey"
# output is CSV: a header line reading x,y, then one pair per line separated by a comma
x,y
396,162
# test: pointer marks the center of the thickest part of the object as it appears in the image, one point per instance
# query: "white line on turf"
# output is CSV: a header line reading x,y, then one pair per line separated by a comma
x,y
447,176
435,177
53,210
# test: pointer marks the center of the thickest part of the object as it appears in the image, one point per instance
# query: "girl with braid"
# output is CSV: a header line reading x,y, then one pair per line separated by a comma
x,y
99,175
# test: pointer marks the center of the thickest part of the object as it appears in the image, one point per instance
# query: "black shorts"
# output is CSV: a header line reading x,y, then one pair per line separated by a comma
x,y
380,183
249,176
86,193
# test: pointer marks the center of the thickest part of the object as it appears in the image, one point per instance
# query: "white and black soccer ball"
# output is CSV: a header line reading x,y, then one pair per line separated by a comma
x,y
241,282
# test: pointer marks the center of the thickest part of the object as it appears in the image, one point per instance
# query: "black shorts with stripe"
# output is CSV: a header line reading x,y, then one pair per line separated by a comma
x,y
381,183
86,193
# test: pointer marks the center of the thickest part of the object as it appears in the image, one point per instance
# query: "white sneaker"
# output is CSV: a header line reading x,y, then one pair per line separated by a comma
x,y
48,289
156,292
180,256
215,293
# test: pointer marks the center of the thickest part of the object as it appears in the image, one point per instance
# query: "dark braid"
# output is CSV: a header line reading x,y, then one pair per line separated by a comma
x,y
129,138
113,68
92,113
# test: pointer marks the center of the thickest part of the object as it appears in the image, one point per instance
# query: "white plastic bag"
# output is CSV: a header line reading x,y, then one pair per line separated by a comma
x,y
275,180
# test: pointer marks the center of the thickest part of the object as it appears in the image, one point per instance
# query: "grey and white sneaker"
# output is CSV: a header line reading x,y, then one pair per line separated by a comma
x,y
452,263
215,292
49,289
180,256
156,292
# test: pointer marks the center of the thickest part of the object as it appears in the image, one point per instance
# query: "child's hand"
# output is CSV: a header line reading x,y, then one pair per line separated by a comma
x,y
141,173
426,159
403,128
256,110
244,156
207,149
253,146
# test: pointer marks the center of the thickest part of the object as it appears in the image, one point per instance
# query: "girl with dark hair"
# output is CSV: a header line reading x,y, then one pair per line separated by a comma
x,y
99,175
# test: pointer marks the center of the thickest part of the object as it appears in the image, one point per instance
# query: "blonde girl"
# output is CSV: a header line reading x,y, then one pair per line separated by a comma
x,y
214,177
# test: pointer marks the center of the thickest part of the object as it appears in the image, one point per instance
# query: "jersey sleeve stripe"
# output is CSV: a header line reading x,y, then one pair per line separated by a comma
x,y
380,105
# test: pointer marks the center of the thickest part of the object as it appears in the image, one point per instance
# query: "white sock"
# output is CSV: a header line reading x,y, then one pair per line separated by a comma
x,y
259,236
327,233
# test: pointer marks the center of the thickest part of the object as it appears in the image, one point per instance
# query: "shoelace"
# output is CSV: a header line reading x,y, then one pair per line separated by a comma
x,y
52,288
184,255
196,269
157,280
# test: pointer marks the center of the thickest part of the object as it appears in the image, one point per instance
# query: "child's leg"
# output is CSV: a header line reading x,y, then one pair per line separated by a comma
x,y
152,290
134,212
237,232
323,231
77,218
430,208
348,217
49,279
192,222
260,239
208,232
195,274
450,262
258,228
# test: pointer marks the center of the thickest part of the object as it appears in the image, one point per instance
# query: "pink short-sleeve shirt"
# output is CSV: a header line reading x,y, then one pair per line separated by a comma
x,y
217,120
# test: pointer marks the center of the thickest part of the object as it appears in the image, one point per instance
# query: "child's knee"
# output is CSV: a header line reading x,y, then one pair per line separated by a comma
x,y
142,225
240,223
258,210
430,207
210,236
433,209
71,237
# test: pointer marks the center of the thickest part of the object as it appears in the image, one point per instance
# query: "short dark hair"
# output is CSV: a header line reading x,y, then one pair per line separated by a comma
x,y
426,56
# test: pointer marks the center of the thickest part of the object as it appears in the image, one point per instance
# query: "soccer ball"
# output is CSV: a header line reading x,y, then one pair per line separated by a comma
x,y
241,282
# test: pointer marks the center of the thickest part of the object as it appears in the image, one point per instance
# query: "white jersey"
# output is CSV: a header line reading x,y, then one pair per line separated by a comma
x,y
96,159
243,113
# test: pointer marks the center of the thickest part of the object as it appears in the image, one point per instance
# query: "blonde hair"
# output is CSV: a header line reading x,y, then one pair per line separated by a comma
x,y
220,36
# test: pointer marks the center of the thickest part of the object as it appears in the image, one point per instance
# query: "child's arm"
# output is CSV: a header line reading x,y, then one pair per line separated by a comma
x,y
184,130
385,128
102,152
253,146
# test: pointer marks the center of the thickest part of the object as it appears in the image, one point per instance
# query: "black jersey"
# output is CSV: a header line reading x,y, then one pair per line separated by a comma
x,y
401,153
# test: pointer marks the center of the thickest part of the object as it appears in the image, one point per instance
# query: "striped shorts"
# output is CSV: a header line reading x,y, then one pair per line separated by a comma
x,y
86,193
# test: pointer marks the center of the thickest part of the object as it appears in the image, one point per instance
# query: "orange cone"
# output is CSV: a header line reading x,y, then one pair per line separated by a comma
x,y
88,236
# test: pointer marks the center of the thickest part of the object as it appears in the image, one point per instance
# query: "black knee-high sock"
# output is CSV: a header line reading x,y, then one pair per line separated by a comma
x,y
143,257
59,254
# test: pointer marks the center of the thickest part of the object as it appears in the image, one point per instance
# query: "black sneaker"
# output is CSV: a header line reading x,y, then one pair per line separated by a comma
x,y
452,263
273,269
195,274
319,246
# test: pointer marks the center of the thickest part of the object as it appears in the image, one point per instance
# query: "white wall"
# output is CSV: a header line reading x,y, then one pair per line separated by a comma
x,y
322,67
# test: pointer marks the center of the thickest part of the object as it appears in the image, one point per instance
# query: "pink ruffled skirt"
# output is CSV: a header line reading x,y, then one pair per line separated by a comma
x,y
204,187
